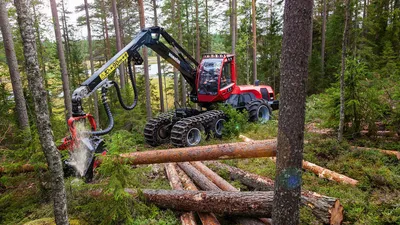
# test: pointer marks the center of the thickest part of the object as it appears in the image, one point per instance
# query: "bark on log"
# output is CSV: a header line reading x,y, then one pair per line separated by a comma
x,y
22,169
187,218
253,149
225,186
206,218
255,204
215,178
327,209
386,152
320,171
198,178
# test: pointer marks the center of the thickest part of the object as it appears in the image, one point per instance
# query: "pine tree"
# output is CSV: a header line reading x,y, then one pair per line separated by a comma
x,y
20,105
294,71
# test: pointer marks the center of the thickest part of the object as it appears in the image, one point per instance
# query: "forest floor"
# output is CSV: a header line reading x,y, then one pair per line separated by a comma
x,y
375,200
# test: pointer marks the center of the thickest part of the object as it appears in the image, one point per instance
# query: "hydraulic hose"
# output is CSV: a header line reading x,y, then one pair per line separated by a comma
x,y
134,90
107,107
109,115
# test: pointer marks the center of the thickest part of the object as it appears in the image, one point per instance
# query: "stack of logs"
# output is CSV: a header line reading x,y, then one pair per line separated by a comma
x,y
217,196
198,189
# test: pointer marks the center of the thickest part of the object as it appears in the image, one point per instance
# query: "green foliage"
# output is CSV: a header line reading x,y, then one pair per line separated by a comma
x,y
237,121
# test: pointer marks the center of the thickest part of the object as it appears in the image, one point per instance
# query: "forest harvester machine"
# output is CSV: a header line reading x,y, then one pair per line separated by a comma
x,y
212,81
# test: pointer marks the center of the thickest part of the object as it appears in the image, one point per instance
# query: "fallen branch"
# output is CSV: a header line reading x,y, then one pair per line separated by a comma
x,y
187,218
327,209
386,152
322,172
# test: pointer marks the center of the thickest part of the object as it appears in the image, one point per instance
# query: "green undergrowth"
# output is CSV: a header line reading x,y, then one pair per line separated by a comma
x,y
375,200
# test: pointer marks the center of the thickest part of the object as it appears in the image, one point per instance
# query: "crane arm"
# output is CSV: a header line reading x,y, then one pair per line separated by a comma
x,y
150,37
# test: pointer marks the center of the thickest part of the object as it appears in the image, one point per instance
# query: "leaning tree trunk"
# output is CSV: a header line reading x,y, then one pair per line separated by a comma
x,y
145,64
294,71
20,104
35,82
183,81
61,57
342,84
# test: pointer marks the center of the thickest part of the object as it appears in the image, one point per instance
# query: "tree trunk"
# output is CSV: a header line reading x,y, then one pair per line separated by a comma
x,y
145,64
118,40
108,46
234,26
294,70
252,203
35,82
343,69
198,53
254,149
176,76
207,27
170,169
323,31
20,104
254,26
63,63
160,83
41,57
95,97
206,218
183,81
327,209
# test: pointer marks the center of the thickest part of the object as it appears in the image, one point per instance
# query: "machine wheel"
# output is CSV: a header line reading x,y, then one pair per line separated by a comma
x,y
157,131
189,131
217,127
259,111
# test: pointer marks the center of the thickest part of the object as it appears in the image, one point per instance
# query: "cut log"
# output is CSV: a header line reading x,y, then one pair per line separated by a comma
x,y
253,204
253,149
249,179
215,178
327,209
386,152
249,203
25,168
206,218
187,218
226,186
320,171
198,178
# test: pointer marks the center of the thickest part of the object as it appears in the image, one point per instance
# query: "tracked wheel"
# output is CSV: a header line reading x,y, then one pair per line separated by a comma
x,y
158,130
259,111
190,131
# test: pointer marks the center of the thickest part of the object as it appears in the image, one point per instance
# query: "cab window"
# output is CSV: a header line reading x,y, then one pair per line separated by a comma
x,y
226,75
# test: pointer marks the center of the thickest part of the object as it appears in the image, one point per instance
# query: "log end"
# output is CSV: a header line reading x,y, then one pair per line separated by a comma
x,y
336,214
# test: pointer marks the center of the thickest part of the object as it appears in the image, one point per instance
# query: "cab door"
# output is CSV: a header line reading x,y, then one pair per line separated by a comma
x,y
225,80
